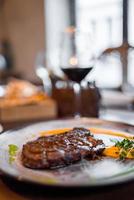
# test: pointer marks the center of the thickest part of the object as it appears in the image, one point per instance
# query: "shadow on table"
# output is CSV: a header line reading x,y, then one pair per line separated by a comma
x,y
35,192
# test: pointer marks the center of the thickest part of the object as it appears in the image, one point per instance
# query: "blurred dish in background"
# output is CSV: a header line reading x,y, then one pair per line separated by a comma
x,y
24,101
19,92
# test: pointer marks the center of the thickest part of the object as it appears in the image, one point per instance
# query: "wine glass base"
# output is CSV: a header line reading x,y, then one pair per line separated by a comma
x,y
77,115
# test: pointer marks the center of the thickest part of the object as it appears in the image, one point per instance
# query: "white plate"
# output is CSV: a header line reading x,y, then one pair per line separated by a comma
x,y
85,173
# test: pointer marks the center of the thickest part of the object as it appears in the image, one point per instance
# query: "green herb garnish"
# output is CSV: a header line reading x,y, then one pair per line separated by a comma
x,y
12,150
126,146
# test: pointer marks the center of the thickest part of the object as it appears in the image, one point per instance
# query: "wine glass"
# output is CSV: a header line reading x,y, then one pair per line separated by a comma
x,y
42,71
76,60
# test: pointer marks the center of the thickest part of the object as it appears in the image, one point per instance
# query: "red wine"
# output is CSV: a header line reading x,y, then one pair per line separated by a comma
x,y
76,74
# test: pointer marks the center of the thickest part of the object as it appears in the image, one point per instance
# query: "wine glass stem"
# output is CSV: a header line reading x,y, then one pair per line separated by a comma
x,y
77,99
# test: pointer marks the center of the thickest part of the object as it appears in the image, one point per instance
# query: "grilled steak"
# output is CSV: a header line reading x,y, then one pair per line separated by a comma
x,y
60,149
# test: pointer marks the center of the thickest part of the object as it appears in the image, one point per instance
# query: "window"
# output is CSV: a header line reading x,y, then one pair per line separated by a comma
x,y
104,19
131,42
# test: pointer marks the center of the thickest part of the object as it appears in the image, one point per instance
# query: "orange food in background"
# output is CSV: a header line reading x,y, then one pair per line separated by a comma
x,y
19,92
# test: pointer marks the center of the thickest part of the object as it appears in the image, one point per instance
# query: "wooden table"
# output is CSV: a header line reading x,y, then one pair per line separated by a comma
x,y
7,194
123,192
12,190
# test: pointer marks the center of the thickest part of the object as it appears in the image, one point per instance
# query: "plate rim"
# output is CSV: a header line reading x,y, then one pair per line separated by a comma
x,y
66,119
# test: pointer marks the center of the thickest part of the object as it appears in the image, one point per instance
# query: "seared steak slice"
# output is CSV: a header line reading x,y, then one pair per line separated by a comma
x,y
60,149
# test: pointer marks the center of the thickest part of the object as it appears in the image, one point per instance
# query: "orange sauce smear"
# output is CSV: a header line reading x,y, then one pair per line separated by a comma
x,y
115,152
92,130
55,131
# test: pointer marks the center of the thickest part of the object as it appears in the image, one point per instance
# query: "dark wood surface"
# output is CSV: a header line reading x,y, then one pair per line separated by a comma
x,y
12,190
89,106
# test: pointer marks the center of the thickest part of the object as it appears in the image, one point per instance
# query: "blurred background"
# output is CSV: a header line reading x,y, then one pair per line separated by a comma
x,y
22,26
31,27
28,29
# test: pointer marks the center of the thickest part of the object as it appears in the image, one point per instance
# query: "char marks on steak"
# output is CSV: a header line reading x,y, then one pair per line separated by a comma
x,y
60,149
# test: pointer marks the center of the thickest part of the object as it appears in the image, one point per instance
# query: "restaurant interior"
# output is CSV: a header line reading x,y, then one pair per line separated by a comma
x,y
66,69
